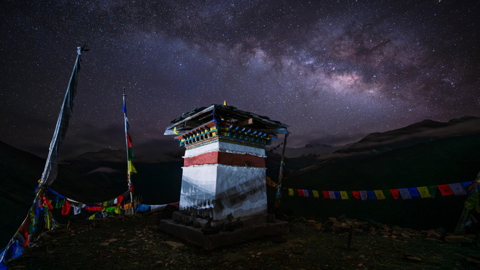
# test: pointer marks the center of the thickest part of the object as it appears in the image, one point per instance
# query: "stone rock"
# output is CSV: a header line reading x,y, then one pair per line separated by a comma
x,y
457,239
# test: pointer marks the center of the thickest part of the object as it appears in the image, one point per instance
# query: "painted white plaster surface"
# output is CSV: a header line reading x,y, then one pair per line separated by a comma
x,y
241,191
217,190
225,147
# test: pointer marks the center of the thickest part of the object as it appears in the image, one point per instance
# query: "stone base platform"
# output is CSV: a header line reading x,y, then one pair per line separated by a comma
x,y
252,228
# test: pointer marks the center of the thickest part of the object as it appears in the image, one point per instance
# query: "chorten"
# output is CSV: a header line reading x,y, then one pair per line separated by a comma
x,y
224,168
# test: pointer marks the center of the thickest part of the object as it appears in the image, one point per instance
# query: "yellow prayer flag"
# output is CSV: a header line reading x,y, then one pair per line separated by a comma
x,y
92,217
270,182
379,194
290,192
131,168
343,195
175,131
424,193
315,194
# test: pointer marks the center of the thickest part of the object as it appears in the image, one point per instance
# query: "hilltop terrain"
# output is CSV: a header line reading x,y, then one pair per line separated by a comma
x,y
136,242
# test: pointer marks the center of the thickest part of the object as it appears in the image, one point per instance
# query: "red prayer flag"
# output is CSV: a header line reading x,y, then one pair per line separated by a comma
x,y
47,202
356,194
300,192
129,141
394,193
65,208
445,190
93,208
120,199
24,232
326,195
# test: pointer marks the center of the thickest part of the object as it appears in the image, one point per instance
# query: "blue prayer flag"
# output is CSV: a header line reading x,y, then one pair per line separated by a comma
x,y
414,192
371,195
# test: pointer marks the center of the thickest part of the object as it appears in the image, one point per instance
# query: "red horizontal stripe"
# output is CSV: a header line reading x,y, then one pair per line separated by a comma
x,y
225,159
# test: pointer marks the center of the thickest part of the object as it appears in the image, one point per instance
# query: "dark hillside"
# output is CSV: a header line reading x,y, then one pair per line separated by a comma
x,y
441,161
20,172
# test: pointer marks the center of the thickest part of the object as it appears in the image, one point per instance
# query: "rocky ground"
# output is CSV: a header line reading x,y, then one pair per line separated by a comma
x,y
137,243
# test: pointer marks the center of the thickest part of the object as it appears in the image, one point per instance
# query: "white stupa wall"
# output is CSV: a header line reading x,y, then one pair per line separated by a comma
x,y
217,146
241,191
217,190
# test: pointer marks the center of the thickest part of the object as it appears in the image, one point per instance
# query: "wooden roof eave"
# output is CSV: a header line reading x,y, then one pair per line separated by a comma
x,y
169,129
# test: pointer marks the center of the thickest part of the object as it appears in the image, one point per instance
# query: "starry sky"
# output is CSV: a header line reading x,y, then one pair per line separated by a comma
x,y
332,70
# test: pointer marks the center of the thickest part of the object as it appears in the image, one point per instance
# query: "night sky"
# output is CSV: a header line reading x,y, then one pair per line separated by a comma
x,y
332,70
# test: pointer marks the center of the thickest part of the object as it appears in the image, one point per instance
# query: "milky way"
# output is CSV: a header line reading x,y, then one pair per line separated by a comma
x,y
332,70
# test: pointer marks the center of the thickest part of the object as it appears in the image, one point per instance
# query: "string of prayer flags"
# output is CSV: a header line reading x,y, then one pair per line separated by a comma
x,y
424,192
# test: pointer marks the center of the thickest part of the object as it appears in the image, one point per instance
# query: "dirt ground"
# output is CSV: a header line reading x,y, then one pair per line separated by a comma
x,y
137,243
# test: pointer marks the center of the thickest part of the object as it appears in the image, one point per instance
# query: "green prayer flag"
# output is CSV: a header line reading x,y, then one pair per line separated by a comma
x,y
432,190
130,154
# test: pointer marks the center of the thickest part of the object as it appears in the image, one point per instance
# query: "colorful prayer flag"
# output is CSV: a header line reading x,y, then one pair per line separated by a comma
x,y
343,195
424,193
363,195
326,194
300,192
379,194
305,193
414,192
371,195
290,192
457,189
467,186
356,195
131,168
445,190
270,182
405,193
66,208
331,195
432,190
129,140
315,194
394,193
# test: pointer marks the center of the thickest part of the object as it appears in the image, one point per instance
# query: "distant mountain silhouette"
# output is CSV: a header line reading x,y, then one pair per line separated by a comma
x,y
308,149
426,130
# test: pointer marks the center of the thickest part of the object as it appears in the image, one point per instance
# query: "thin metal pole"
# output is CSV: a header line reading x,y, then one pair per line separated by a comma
x,y
280,174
